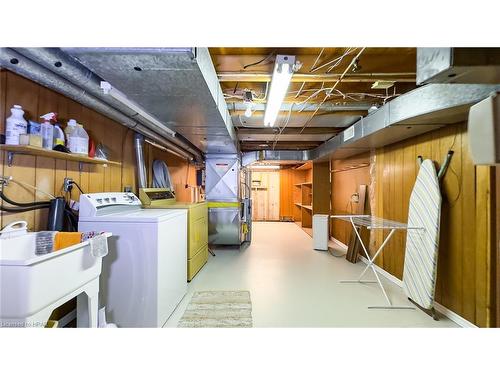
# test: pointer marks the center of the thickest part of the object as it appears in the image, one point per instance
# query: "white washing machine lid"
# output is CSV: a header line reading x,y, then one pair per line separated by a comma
x,y
137,216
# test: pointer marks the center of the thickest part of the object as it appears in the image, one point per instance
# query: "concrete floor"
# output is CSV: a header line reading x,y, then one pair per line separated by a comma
x,y
292,285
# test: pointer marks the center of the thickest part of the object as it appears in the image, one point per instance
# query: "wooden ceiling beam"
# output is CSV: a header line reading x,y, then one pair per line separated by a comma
x,y
260,112
288,130
298,77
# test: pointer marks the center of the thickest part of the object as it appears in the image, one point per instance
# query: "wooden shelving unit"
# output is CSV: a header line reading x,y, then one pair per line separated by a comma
x,y
37,151
311,193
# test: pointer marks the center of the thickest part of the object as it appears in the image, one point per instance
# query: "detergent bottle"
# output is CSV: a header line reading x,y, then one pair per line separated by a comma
x,y
78,141
15,125
70,126
47,130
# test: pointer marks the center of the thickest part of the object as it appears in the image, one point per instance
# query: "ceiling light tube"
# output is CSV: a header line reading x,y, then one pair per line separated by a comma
x,y
282,75
122,98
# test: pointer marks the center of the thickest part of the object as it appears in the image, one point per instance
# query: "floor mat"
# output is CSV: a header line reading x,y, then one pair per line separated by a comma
x,y
218,309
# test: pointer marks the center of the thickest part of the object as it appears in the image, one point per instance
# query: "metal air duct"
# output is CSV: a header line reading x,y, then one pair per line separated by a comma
x,y
25,67
416,112
139,158
178,86
458,65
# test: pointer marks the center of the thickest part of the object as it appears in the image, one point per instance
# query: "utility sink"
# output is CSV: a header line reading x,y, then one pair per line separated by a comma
x,y
32,286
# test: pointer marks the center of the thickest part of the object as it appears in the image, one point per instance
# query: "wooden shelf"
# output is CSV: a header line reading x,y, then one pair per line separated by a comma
x,y
305,166
311,192
37,151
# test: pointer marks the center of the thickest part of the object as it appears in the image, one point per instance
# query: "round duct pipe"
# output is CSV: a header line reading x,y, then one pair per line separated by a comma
x,y
70,69
139,158
25,67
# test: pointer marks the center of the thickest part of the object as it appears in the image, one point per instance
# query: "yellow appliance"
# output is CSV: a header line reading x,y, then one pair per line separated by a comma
x,y
197,251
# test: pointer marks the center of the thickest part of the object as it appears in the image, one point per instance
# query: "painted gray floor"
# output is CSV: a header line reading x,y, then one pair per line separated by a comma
x,y
292,285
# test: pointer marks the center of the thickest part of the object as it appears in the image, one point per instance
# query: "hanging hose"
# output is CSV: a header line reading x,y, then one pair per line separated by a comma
x,y
23,204
161,175
22,209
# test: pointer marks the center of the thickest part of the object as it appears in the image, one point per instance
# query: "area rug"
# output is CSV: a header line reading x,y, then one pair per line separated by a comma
x,y
218,309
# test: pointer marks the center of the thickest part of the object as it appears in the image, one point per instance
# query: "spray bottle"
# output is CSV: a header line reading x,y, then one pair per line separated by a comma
x,y
47,130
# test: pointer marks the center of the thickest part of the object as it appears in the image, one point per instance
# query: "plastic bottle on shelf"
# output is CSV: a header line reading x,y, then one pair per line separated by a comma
x,y
15,125
47,130
70,126
58,135
78,141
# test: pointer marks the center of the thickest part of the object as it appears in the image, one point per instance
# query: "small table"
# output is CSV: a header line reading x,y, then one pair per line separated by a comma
x,y
373,222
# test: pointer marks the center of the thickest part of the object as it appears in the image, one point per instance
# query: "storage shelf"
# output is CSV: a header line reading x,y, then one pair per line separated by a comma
x,y
37,151
305,166
304,183
307,207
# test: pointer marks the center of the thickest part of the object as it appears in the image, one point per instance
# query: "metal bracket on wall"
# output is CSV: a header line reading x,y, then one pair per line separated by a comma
x,y
10,158
80,167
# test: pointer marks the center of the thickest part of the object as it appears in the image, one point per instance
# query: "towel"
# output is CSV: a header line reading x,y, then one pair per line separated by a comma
x,y
98,246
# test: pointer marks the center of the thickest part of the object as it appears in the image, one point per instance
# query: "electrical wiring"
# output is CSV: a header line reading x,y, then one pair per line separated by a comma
x,y
459,178
349,50
336,60
260,61
283,128
78,186
333,88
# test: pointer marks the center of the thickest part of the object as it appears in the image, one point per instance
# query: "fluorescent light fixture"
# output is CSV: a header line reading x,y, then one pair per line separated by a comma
x,y
282,75
264,167
122,98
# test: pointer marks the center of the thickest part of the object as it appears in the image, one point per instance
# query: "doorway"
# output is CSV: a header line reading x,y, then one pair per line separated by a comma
x,y
265,196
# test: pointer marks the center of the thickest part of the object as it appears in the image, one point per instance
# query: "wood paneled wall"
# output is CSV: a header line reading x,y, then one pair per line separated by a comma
x,y
467,277
48,174
266,196
286,193
347,176
466,256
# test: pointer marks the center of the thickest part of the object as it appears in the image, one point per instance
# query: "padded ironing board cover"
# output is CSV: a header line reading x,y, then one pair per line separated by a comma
x,y
420,267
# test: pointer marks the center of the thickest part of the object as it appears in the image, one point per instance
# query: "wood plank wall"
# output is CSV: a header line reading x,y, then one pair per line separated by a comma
x,y
266,196
347,176
48,174
467,277
466,259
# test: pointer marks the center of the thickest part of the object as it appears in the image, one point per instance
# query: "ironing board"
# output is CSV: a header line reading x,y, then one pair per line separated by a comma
x,y
374,223
420,267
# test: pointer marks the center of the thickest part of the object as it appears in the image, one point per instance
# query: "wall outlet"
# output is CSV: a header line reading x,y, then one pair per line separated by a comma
x,y
68,184
355,198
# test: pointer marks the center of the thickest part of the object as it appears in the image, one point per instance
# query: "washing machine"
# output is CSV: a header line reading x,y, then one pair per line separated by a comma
x,y
144,275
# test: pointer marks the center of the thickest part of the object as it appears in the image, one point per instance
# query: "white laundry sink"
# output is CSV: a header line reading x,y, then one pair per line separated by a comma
x,y
32,286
